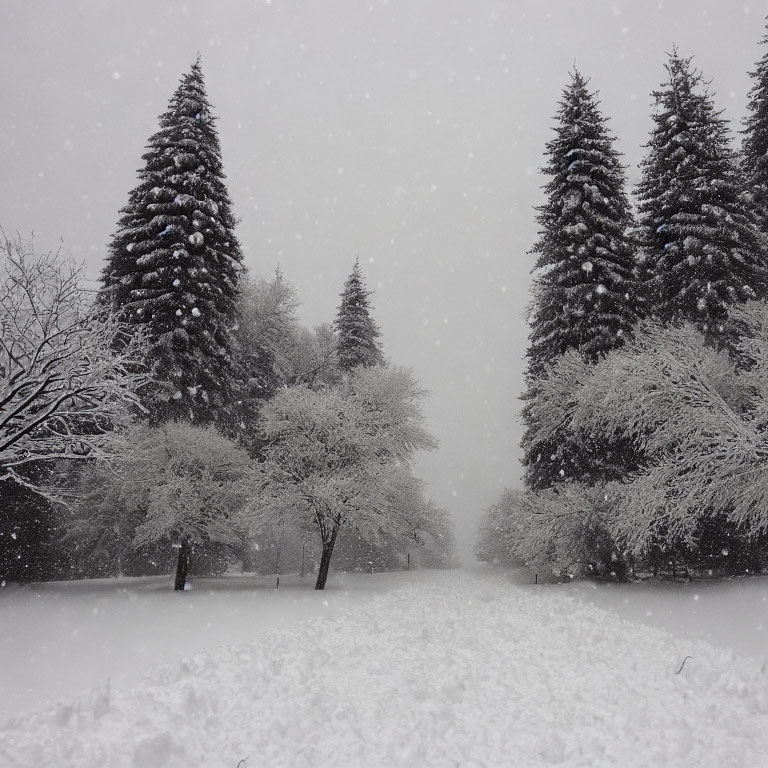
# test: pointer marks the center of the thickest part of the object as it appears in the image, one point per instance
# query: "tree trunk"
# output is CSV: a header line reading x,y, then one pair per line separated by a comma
x,y
182,564
325,559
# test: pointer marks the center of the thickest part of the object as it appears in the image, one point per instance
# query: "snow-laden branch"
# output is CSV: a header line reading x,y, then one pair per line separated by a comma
x,y
339,455
69,374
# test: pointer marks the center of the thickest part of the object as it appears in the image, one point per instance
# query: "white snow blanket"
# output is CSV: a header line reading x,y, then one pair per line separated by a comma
x,y
456,668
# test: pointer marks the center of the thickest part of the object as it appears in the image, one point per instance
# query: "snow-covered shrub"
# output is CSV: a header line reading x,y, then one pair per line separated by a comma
x,y
564,531
697,419
692,418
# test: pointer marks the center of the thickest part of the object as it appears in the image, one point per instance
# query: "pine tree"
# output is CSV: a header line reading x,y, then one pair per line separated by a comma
x,y
174,262
754,161
700,251
358,333
585,294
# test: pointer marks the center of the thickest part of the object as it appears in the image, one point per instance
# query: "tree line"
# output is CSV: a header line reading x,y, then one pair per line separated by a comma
x,y
645,443
183,417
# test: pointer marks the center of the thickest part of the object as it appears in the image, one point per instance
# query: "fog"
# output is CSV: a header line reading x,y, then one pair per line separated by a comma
x,y
406,133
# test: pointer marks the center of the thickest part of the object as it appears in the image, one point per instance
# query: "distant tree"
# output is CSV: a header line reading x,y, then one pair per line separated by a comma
x,y
357,332
585,295
174,264
754,159
291,354
334,456
268,320
700,252
312,358
265,331
431,531
421,535
564,530
493,544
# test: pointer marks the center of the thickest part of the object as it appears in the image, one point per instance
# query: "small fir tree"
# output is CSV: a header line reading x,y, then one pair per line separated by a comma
x,y
754,160
174,262
700,251
358,333
585,294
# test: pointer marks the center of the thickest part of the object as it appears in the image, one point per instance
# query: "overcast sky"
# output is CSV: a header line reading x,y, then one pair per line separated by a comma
x,y
407,133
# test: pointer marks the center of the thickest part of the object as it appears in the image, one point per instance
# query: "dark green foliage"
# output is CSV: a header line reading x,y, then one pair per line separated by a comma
x,y
174,263
570,456
29,536
700,251
355,553
266,329
358,334
722,547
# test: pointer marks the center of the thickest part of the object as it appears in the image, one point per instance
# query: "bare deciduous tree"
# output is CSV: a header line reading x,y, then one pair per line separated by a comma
x,y
69,374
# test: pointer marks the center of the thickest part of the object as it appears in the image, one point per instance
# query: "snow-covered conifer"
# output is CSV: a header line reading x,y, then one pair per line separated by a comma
x,y
700,252
754,161
584,297
174,262
358,333
584,294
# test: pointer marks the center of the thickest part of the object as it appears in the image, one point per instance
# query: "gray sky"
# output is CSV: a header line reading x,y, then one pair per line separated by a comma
x,y
407,133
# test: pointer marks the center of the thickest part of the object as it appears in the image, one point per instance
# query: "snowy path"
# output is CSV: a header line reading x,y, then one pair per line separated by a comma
x,y
451,669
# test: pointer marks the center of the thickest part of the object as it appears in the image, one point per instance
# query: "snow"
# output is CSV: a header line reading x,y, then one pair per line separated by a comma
x,y
458,668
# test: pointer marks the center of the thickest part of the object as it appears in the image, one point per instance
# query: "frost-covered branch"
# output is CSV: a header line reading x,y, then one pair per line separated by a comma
x,y
70,376
338,456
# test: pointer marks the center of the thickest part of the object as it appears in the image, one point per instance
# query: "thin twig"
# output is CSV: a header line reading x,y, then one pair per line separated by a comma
x,y
683,664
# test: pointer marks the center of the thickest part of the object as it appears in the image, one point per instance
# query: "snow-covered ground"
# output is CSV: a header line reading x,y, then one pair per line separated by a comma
x,y
61,639
730,614
461,668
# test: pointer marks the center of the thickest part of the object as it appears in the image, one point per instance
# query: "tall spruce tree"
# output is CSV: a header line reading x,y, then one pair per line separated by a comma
x,y
174,263
585,293
754,160
357,332
699,249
